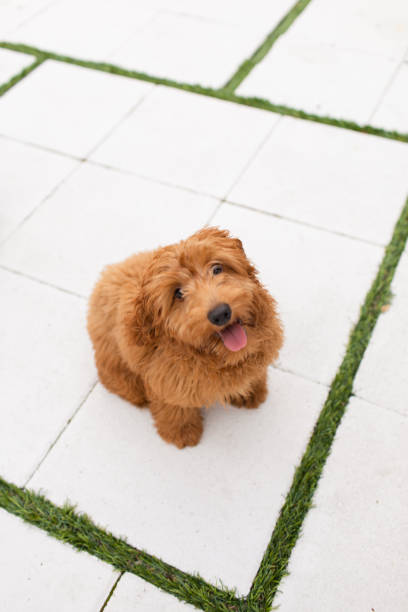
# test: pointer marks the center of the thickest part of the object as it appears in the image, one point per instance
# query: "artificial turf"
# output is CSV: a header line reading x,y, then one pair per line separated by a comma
x,y
20,75
77,529
307,474
221,94
247,65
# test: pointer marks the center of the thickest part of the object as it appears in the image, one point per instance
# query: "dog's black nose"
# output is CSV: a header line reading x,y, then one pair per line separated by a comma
x,y
220,315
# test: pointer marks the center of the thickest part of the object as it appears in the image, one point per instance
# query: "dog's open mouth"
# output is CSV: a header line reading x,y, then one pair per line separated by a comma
x,y
233,336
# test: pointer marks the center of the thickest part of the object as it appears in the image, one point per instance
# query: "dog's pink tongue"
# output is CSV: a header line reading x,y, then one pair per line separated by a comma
x,y
234,337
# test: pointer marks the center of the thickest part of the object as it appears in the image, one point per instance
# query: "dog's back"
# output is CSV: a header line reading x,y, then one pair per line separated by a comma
x,y
103,311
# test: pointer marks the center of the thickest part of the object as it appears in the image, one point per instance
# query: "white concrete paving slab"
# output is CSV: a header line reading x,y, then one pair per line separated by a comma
x,y
176,46
46,370
352,554
100,216
336,179
204,509
67,108
11,63
383,374
40,573
16,12
187,140
260,14
27,176
320,79
336,59
86,29
133,593
372,27
392,112
319,280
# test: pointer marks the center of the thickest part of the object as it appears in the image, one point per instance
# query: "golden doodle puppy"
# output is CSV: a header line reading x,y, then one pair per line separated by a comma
x,y
182,327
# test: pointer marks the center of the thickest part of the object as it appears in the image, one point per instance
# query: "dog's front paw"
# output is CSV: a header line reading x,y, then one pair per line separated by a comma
x,y
253,399
189,434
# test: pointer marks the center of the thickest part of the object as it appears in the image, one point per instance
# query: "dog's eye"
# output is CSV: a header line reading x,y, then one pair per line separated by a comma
x,y
217,269
178,294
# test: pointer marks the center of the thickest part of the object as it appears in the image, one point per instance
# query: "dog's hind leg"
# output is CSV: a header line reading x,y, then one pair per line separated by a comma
x,y
254,398
117,377
180,426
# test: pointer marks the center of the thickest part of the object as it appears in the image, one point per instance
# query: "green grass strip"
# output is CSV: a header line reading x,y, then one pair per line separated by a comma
x,y
220,94
18,77
66,524
258,55
299,498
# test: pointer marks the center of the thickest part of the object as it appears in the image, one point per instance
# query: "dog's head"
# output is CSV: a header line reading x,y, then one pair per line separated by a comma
x,y
203,292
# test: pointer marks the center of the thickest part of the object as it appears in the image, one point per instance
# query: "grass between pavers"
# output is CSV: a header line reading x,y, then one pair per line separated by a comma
x,y
307,474
72,527
66,524
249,64
220,94
20,75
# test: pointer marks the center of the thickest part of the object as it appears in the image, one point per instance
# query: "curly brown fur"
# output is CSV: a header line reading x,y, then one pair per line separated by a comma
x,y
155,346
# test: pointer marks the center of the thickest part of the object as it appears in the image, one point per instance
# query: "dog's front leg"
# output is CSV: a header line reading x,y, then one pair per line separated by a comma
x,y
256,395
180,426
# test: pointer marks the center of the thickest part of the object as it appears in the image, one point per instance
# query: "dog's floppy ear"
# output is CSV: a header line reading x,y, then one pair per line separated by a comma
x,y
135,319
142,328
266,315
